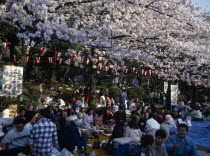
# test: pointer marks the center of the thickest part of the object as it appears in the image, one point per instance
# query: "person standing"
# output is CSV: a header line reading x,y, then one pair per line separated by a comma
x,y
122,97
43,136
40,89
180,144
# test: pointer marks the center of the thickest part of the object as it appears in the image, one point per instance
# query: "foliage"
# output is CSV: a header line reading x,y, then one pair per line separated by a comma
x,y
133,93
66,94
114,93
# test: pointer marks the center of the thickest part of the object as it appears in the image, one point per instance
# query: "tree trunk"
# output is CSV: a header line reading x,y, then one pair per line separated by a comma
x,y
168,97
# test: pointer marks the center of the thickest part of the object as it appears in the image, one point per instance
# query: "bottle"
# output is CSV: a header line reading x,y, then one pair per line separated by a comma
x,y
82,151
75,151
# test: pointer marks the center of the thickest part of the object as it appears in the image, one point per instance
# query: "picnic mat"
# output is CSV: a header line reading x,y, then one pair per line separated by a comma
x,y
199,133
100,151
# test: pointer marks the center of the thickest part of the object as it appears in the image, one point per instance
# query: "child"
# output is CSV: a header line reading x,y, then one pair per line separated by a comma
x,y
159,148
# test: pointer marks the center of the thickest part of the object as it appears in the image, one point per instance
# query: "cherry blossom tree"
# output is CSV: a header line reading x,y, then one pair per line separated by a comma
x,y
168,36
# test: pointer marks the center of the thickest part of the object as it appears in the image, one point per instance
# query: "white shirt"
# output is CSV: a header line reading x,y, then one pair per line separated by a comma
x,y
134,134
17,139
5,113
61,102
102,100
71,118
196,114
152,124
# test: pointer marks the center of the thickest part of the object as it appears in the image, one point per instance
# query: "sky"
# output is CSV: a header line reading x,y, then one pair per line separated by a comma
x,y
205,4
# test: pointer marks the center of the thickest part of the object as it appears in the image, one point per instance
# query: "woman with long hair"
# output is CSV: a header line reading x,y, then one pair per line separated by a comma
x,y
87,121
132,130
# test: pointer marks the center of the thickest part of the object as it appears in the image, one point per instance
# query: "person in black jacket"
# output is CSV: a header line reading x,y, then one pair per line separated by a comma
x,y
69,136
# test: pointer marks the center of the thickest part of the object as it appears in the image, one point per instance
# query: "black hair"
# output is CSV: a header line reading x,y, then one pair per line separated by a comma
x,y
7,106
29,116
88,111
183,126
100,112
135,113
147,140
134,122
151,115
159,120
19,120
120,107
45,112
21,109
161,133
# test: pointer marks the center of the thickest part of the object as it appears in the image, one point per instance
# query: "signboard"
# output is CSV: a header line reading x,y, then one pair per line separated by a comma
x,y
12,81
165,87
174,94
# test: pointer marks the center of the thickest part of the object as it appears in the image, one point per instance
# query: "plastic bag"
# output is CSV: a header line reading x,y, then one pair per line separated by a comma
x,y
55,152
65,152
93,153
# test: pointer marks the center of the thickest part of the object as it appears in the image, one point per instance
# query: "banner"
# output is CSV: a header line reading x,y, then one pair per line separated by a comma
x,y
165,87
12,81
174,94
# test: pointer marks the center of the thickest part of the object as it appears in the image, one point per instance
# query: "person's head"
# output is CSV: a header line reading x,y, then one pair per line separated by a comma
x,y
19,123
22,112
29,116
182,130
133,122
146,143
120,108
99,112
44,113
89,111
30,108
159,120
135,113
160,136
51,96
151,115
43,102
60,112
7,106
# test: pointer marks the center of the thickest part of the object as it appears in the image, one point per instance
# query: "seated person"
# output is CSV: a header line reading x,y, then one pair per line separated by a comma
x,y
16,140
120,115
87,120
180,144
43,105
98,118
159,148
163,126
108,118
132,106
170,122
144,149
5,113
69,136
117,132
72,116
196,114
132,130
152,125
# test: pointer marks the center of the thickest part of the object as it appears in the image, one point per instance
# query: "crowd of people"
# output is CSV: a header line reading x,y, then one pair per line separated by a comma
x,y
58,124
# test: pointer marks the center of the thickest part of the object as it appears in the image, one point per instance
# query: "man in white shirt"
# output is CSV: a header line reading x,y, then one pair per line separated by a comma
x,y
16,140
152,125
5,113
61,103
